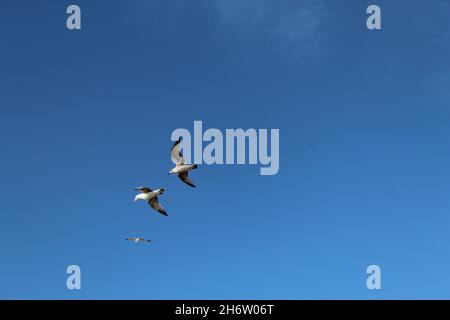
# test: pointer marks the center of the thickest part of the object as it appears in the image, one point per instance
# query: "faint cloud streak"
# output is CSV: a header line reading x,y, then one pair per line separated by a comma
x,y
280,25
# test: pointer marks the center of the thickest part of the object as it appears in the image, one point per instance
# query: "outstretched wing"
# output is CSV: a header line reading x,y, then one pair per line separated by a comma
x,y
185,178
154,203
143,189
176,153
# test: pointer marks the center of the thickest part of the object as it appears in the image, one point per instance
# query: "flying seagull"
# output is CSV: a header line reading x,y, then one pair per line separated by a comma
x,y
181,168
151,197
136,240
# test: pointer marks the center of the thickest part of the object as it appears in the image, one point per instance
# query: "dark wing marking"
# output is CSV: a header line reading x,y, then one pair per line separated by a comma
x,y
143,189
176,143
154,203
184,177
176,153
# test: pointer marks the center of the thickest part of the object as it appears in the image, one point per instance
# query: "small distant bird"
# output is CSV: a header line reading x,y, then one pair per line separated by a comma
x,y
136,240
151,197
181,168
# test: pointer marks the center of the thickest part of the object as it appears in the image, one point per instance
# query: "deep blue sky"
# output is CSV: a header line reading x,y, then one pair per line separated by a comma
x,y
364,122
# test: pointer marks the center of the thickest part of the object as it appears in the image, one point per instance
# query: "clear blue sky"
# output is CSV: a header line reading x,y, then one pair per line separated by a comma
x,y
364,123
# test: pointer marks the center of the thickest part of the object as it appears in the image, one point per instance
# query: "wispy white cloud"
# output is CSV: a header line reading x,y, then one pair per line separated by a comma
x,y
292,25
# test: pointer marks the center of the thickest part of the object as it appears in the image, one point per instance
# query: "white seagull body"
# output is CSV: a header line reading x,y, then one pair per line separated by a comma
x,y
181,168
136,240
151,197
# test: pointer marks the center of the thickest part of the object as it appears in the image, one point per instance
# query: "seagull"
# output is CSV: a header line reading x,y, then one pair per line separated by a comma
x,y
151,197
136,240
181,168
